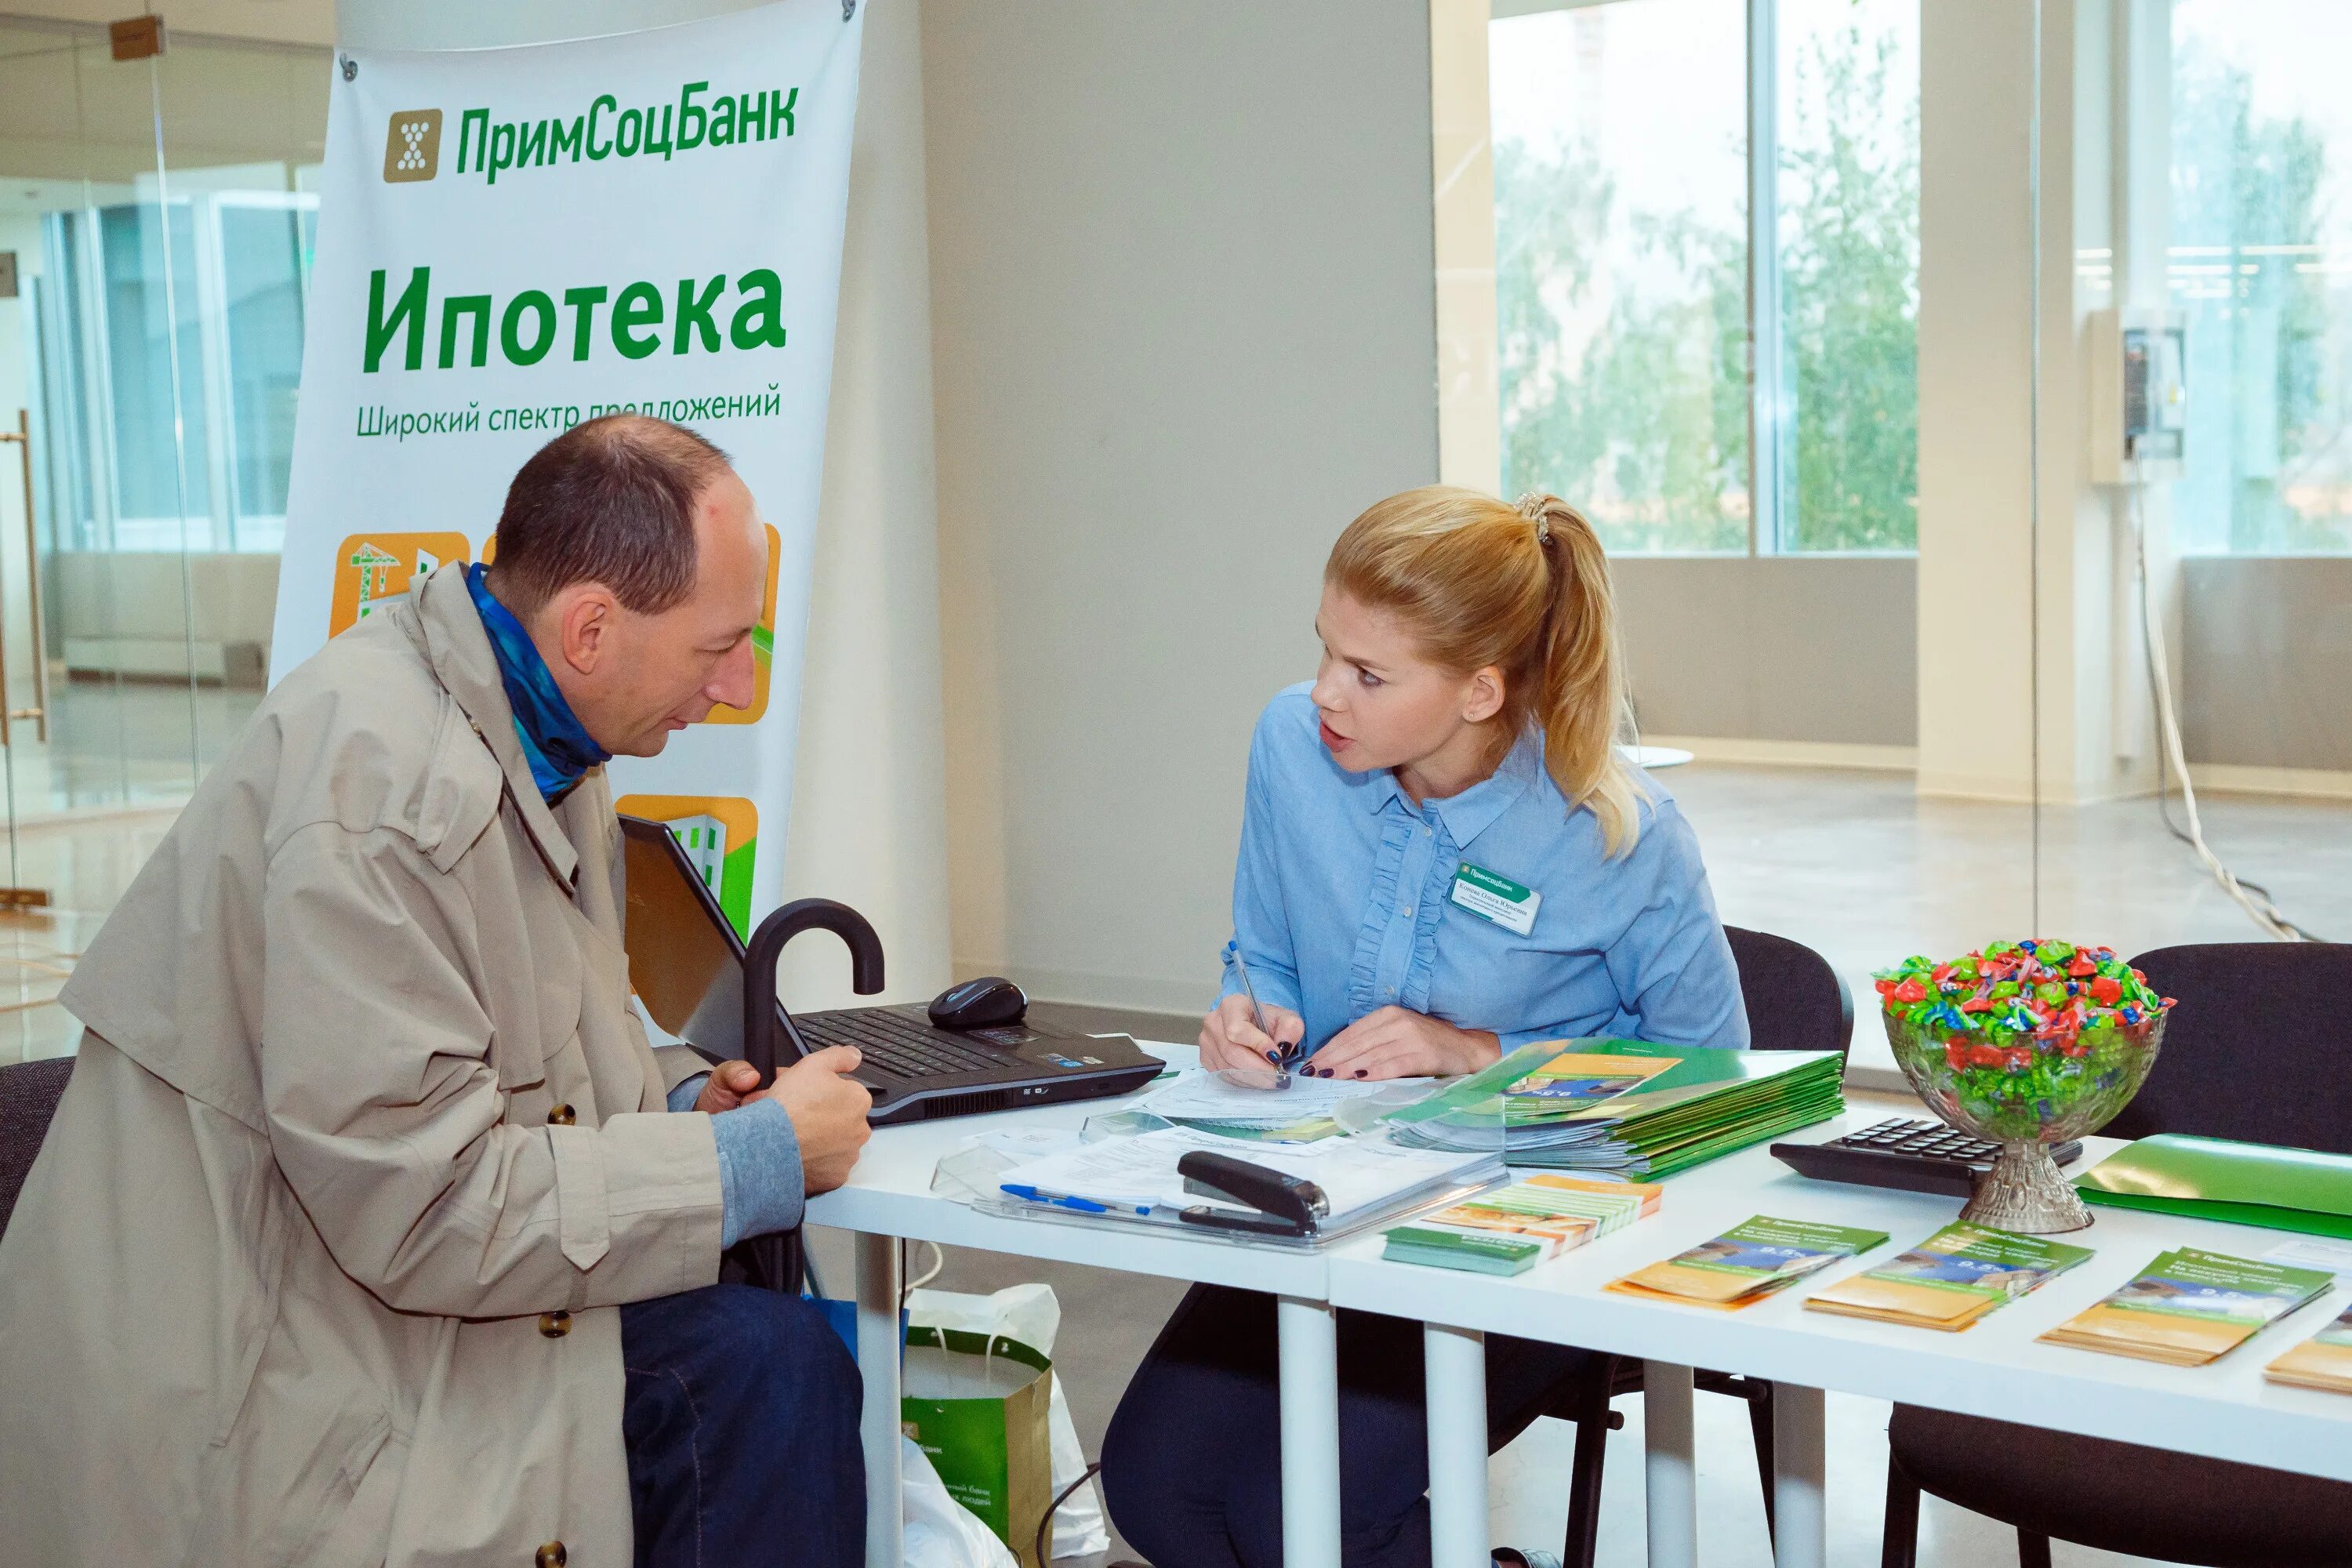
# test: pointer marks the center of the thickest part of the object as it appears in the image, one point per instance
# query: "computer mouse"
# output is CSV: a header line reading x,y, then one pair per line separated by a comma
x,y
979,1003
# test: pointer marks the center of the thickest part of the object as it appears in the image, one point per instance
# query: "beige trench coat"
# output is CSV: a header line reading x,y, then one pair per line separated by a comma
x,y
320,1261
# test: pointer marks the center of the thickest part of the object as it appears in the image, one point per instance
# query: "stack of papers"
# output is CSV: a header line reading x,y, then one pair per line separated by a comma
x,y
2189,1307
1626,1106
1747,1263
1303,1110
2323,1361
1511,1229
1950,1279
1137,1177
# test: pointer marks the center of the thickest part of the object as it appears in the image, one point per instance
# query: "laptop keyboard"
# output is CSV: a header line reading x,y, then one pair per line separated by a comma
x,y
896,1044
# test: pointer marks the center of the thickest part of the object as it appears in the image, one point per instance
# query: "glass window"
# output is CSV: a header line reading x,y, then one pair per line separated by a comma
x,y
1621,261
2261,265
1635,377
1847,122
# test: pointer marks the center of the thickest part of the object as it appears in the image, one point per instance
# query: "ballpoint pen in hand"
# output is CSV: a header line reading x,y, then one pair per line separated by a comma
x,y
1287,1054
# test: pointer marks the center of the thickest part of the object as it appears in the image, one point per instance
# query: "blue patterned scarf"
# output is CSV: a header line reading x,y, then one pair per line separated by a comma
x,y
560,750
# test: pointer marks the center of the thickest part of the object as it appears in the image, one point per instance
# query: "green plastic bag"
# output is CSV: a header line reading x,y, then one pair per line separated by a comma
x,y
977,1407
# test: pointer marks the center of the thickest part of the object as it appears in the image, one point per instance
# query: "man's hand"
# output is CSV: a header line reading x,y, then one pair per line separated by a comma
x,y
1230,1037
1393,1042
828,1110
725,1087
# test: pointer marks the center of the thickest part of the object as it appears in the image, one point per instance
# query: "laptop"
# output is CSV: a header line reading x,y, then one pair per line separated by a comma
x,y
686,962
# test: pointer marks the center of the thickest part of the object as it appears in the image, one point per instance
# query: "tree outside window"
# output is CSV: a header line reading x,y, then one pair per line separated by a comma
x,y
1624,326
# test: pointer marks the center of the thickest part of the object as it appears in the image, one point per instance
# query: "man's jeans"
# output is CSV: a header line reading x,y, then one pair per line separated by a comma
x,y
740,1418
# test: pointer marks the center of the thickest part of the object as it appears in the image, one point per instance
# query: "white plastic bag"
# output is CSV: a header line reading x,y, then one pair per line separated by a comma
x,y
938,1530
1030,1314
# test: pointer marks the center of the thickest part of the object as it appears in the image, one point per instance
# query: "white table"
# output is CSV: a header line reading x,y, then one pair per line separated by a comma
x,y
2224,1410
889,1197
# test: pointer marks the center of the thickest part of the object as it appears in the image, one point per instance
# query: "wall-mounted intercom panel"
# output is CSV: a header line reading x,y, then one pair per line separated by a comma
x,y
2139,395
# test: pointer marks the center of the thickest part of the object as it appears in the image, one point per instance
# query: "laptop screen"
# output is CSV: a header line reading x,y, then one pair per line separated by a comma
x,y
686,962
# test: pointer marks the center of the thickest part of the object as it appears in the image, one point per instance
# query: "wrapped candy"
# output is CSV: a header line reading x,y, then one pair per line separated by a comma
x,y
2027,1028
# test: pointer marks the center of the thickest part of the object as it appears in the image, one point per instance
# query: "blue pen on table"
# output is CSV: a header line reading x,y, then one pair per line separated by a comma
x,y
1289,1053
1072,1202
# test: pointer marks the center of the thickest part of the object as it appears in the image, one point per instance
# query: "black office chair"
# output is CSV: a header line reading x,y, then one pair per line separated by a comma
x,y
1795,1002
29,1092
2254,1051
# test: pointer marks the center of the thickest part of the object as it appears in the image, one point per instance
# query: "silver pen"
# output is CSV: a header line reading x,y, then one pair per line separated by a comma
x,y
1282,1063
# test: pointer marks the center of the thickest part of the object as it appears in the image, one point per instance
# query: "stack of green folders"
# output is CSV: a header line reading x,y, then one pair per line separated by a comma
x,y
1626,1106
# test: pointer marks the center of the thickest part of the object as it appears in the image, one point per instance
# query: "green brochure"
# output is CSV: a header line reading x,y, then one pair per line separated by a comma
x,y
1950,1279
1749,1262
2190,1306
2323,1361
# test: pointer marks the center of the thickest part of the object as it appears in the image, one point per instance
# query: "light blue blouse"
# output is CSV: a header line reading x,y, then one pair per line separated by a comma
x,y
1341,904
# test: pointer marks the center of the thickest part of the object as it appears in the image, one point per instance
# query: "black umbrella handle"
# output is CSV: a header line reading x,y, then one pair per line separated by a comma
x,y
776,1262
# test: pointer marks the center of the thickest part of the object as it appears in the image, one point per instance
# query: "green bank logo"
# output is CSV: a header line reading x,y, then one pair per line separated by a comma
x,y
412,146
697,120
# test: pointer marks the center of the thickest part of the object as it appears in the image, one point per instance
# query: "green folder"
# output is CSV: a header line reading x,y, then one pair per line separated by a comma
x,y
2236,1184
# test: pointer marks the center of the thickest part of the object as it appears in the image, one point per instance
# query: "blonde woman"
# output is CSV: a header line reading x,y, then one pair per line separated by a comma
x,y
1443,858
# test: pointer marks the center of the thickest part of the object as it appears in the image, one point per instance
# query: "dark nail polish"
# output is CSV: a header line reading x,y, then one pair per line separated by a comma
x,y
1273,1057
1360,1072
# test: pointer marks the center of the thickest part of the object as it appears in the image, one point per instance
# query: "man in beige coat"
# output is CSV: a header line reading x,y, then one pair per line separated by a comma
x,y
367,1181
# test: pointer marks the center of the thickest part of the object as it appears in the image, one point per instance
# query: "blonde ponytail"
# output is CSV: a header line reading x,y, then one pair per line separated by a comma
x,y
1524,589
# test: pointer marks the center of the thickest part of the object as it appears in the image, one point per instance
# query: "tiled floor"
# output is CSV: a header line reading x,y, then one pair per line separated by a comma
x,y
84,864
89,806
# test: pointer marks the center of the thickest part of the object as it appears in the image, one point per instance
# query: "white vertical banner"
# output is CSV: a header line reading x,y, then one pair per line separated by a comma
x,y
513,240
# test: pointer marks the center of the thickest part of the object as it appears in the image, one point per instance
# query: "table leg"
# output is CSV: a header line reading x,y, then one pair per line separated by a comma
x,y
1309,1331
1800,1509
1670,1468
878,1341
1455,1364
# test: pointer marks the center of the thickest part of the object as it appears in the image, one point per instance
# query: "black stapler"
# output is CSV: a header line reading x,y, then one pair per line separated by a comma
x,y
1285,1206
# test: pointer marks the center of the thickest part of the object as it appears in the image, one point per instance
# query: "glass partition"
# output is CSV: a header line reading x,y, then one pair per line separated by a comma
x,y
242,130
2250,533
1803,420
159,214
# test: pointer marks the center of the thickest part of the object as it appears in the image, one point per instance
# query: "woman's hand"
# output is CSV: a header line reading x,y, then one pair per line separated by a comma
x,y
1394,1043
1230,1037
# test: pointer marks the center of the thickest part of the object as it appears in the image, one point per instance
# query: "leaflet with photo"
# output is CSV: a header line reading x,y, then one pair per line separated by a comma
x,y
1950,1279
2323,1361
1511,1229
1749,1262
2189,1307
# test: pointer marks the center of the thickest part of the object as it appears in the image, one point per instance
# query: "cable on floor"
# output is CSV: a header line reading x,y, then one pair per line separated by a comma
x,y
1046,1523
2251,897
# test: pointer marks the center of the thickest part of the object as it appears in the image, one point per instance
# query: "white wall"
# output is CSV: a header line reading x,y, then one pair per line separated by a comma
x,y
1818,650
868,823
1184,323
274,21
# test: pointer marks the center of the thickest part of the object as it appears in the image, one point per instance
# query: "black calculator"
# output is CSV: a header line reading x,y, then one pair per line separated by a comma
x,y
1920,1157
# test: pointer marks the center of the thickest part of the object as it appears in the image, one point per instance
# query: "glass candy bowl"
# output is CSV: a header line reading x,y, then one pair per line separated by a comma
x,y
2026,1045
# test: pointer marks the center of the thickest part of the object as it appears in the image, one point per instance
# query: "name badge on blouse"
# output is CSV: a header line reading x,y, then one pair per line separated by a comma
x,y
1495,898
